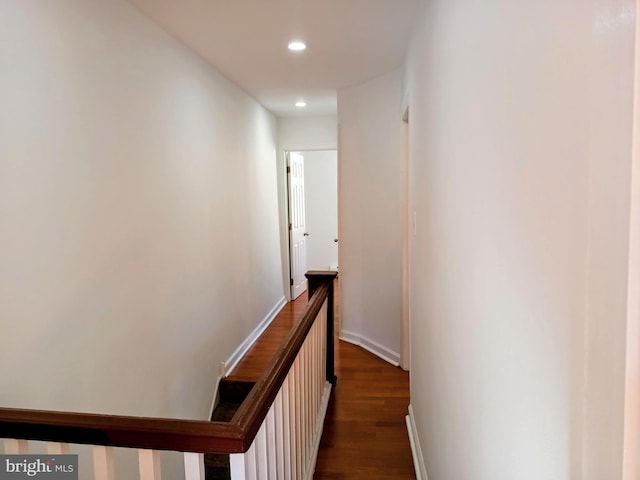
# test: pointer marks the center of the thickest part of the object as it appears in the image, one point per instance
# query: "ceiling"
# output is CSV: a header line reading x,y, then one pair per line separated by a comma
x,y
348,42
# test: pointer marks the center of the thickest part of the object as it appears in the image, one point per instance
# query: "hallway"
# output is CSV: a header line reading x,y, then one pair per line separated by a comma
x,y
365,435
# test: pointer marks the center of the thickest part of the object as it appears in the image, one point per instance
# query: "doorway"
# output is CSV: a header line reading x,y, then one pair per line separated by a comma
x,y
312,187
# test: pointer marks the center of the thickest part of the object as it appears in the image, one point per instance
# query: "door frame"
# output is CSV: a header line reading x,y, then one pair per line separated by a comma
x,y
290,234
285,240
407,232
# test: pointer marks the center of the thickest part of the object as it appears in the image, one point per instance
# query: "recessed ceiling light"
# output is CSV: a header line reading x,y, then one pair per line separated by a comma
x,y
301,104
297,46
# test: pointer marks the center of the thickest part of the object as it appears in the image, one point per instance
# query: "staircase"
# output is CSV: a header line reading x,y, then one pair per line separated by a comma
x,y
232,394
270,429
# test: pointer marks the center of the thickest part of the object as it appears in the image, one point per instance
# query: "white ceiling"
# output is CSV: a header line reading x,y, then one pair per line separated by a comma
x,y
348,42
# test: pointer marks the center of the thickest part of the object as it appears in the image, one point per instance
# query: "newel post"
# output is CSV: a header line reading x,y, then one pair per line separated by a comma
x,y
316,278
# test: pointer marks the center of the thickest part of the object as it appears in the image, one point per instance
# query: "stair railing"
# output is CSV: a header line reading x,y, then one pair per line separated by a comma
x,y
273,435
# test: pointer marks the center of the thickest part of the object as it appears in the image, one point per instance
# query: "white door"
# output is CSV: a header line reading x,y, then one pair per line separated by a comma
x,y
297,233
321,208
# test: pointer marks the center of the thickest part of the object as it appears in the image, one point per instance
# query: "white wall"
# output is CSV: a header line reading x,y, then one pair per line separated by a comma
x,y
299,133
370,206
520,148
321,208
307,133
138,210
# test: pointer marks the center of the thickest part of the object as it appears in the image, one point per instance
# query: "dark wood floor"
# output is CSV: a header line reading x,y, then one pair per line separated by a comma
x,y
365,435
261,353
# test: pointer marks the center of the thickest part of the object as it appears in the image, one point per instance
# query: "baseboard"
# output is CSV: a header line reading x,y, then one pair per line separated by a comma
x,y
234,359
374,347
416,451
324,403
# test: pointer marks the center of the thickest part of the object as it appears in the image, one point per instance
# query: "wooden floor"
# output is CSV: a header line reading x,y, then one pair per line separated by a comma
x,y
365,435
261,353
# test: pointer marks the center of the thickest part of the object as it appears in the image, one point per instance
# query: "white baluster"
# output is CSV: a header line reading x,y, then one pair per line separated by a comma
x,y
237,466
315,340
102,462
309,402
149,464
314,366
305,404
304,420
314,375
314,359
321,367
194,466
250,463
286,428
16,447
262,459
278,426
270,439
324,347
54,448
295,418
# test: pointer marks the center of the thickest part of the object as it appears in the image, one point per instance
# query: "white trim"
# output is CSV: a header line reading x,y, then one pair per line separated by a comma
x,y
416,450
241,351
324,403
631,438
372,346
405,348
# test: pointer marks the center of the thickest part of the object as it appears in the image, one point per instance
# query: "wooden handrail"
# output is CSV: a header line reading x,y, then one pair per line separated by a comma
x,y
173,434
121,431
251,413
